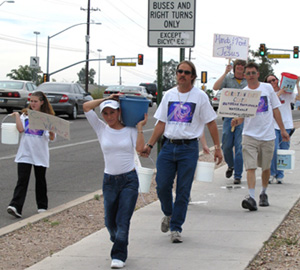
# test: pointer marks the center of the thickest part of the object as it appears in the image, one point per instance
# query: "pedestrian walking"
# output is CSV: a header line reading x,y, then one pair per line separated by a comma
x,y
120,183
33,151
181,117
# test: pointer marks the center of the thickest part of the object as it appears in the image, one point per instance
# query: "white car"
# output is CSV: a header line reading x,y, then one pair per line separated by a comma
x,y
137,91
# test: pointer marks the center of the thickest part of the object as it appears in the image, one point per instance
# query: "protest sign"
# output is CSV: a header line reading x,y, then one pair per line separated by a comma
x,y
230,47
44,121
238,103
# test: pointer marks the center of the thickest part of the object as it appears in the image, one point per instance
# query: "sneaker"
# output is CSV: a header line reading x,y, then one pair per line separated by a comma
x,y
237,181
13,211
272,179
176,237
279,180
41,210
249,203
117,264
229,172
263,200
165,224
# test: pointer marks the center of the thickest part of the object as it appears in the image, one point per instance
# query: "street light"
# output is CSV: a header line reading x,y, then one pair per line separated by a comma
x,y
99,50
6,2
36,42
49,37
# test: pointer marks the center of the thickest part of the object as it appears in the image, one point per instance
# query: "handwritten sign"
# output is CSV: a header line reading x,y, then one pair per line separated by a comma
x,y
238,103
44,121
233,47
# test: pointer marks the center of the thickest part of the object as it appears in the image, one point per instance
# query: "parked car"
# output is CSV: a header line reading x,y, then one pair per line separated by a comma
x,y
14,94
65,98
216,100
137,91
112,89
151,89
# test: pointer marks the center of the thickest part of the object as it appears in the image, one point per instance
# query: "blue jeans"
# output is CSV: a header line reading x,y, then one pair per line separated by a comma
x,y
279,144
172,159
120,194
230,140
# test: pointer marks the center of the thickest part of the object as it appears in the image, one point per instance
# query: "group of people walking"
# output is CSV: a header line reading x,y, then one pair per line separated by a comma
x,y
181,118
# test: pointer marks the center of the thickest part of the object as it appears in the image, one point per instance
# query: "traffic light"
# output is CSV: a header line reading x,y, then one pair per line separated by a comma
x,y
203,76
140,59
262,49
45,77
296,51
113,60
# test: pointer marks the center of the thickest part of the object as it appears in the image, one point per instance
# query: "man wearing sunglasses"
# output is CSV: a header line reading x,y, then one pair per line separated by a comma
x,y
259,136
181,117
286,114
232,139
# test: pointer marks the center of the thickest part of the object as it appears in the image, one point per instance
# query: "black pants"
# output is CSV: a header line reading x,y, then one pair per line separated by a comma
x,y
24,170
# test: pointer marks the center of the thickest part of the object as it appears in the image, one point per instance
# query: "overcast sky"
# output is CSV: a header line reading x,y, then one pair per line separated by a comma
x,y
123,33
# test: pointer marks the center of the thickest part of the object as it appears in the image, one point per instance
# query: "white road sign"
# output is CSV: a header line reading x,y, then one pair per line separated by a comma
x,y
171,23
34,61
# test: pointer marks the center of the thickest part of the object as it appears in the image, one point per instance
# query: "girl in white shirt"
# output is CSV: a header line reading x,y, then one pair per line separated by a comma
x,y
33,151
120,183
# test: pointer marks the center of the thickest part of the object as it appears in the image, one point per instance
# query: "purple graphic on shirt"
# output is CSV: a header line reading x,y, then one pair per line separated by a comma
x,y
37,132
178,112
263,104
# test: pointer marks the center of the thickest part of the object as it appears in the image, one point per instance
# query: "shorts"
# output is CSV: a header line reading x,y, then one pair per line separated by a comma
x,y
257,153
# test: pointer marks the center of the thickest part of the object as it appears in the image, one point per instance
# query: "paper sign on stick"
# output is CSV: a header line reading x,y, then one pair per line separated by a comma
x,y
230,47
238,103
44,121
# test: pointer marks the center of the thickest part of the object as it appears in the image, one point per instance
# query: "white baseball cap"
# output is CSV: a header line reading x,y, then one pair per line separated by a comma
x,y
109,103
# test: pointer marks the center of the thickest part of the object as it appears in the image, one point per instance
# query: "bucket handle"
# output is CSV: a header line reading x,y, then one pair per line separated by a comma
x,y
5,117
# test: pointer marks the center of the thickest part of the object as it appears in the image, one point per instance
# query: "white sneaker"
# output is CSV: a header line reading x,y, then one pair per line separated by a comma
x,y
41,210
117,264
272,179
13,211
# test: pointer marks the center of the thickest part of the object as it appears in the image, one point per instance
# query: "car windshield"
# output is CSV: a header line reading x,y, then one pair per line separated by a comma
x,y
115,87
11,85
132,88
55,87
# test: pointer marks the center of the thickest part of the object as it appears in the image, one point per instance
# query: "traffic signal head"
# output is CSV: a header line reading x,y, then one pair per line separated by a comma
x,y
203,76
296,52
140,59
45,77
262,49
113,60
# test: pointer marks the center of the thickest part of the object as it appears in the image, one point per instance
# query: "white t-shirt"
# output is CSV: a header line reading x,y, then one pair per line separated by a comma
x,y
261,127
34,145
185,121
286,111
117,145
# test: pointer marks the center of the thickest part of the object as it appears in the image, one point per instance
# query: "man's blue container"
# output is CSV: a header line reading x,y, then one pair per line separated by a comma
x,y
133,109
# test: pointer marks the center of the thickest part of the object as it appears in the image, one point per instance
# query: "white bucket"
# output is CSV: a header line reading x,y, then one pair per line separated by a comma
x,y
205,171
9,133
285,159
145,178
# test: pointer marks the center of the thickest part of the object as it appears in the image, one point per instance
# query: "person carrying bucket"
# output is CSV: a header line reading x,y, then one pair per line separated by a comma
x,y
259,136
181,117
286,99
120,183
33,151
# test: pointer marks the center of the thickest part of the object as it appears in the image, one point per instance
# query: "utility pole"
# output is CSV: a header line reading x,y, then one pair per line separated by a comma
x,y
87,39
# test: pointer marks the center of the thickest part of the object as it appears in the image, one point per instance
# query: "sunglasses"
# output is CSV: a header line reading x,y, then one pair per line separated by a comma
x,y
251,73
186,72
270,81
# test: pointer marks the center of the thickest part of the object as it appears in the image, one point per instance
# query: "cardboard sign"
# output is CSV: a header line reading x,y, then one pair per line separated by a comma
x,y
238,103
230,47
44,121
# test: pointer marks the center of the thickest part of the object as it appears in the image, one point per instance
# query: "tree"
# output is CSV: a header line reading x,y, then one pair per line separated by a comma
x,y
81,76
25,73
169,72
264,63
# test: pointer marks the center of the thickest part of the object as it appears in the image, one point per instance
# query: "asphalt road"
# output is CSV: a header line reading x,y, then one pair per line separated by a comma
x,y
76,167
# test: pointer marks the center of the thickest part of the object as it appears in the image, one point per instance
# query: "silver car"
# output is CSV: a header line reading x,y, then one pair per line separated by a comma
x,y
137,91
14,94
112,89
216,100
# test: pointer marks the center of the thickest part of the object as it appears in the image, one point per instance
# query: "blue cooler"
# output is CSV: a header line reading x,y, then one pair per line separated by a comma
x,y
133,109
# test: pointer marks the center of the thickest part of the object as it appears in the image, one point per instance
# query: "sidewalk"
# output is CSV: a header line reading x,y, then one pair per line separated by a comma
x,y
218,233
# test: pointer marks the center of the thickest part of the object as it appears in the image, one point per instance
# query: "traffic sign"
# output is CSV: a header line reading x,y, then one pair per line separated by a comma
x,y
34,61
131,64
171,23
284,55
